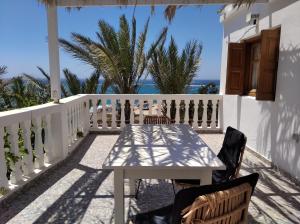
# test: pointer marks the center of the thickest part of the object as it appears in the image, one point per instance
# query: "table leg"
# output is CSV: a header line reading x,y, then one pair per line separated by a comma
x,y
206,177
119,195
132,189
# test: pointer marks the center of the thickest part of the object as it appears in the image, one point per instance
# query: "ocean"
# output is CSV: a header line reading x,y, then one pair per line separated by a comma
x,y
148,87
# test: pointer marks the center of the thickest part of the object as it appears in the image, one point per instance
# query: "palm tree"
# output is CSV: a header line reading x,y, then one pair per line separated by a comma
x,y
44,85
119,56
173,72
76,86
4,97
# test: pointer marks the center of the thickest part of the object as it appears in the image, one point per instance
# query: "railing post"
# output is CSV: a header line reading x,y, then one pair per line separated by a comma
x,y
38,144
104,115
177,116
159,102
204,115
195,117
141,112
95,124
49,154
131,111
150,103
16,174
28,159
86,114
122,102
186,114
113,114
213,115
3,168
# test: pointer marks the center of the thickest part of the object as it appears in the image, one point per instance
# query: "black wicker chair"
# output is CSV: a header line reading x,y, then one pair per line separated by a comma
x,y
231,154
202,204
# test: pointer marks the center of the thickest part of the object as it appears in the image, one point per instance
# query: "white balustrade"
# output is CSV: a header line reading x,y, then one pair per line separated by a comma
x,y
59,128
178,104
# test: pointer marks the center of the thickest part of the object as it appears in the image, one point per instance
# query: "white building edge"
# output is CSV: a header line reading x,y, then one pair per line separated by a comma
x,y
272,127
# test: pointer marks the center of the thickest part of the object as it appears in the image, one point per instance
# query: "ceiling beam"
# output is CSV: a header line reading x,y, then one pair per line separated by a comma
x,y
85,3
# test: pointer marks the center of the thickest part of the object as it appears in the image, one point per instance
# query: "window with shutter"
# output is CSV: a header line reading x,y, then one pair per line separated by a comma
x,y
235,68
252,66
266,82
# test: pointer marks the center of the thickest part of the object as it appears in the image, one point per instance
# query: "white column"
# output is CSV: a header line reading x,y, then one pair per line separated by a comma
x,y
53,52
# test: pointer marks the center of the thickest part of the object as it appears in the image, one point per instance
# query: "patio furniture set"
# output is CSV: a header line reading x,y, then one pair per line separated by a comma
x,y
211,189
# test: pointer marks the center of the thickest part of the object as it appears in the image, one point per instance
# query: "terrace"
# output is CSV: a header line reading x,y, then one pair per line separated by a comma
x,y
60,179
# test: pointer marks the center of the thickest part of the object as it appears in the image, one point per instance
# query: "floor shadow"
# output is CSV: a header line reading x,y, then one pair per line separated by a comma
x,y
68,207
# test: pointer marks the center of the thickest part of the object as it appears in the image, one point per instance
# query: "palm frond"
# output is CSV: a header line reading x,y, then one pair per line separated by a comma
x,y
72,81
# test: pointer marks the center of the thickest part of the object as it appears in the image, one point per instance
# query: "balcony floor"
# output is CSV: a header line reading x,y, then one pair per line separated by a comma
x,y
80,192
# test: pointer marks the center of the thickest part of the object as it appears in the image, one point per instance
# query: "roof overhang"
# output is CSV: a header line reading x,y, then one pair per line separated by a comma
x,y
83,3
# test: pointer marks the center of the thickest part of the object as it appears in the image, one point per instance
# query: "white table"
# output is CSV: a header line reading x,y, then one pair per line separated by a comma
x,y
158,152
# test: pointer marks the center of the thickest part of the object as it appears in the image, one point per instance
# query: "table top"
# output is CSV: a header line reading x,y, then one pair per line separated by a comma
x,y
161,146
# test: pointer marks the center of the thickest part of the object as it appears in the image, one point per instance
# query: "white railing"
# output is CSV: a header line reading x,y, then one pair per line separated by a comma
x,y
35,138
112,112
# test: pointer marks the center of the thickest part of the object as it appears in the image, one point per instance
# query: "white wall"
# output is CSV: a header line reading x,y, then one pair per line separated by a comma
x,y
269,125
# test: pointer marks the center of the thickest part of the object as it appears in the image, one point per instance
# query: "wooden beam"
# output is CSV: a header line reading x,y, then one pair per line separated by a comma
x,y
83,3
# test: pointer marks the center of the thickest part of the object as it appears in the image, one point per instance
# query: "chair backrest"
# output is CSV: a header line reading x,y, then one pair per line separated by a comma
x,y
227,202
155,119
228,206
232,151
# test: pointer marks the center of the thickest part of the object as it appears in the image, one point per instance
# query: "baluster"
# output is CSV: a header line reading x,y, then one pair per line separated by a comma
x,y
80,117
168,108
28,158
49,154
122,102
204,116
195,117
132,111
74,123
104,116
159,102
86,114
69,113
16,174
150,103
38,144
213,115
113,114
177,116
186,113
95,124
141,115
77,118
3,168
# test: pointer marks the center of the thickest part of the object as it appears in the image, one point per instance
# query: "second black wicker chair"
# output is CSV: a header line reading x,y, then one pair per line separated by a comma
x,y
231,154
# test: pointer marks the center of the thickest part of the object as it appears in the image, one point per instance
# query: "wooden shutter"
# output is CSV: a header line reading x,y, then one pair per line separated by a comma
x,y
266,83
235,68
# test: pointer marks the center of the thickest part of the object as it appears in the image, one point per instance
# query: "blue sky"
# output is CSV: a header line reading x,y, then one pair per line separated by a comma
x,y
23,39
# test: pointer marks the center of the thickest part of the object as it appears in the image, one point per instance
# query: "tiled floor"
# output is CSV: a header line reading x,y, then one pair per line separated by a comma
x,y
80,192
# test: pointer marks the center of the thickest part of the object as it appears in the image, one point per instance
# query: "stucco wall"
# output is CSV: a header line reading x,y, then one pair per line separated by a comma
x,y
269,126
